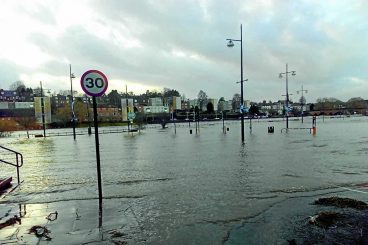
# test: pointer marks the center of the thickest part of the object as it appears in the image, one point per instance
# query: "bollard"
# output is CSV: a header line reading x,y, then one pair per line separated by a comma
x,y
271,129
190,131
227,129
314,125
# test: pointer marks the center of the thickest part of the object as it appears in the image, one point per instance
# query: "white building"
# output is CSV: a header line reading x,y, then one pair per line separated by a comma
x,y
4,105
155,109
247,103
157,101
24,105
228,105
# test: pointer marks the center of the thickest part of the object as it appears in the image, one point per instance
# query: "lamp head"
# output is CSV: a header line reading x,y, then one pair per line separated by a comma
x,y
72,75
280,76
293,73
230,44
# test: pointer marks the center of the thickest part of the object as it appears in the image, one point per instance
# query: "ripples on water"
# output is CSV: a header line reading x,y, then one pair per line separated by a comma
x,y
188,186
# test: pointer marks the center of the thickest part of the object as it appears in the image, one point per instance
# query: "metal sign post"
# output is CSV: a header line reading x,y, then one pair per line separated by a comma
x,y
94,83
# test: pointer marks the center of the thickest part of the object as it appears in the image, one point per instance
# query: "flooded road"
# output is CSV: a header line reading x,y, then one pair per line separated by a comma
x,y
195,189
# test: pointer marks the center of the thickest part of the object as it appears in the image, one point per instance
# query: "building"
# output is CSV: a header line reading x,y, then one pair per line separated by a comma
x,y
156,109
4,105
228,105
8,95
157,101
23,105
247,103
60,100
185,105
16,110
38,109
176,103
214,103
125,109
108,114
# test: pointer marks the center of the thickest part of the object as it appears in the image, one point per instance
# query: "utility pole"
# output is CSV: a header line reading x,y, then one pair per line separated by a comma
x,y
302,100
293,73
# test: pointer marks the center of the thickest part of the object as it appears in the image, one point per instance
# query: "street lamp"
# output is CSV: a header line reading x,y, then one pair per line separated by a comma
x,y
71,75
302,101
43,111
230,44
293,73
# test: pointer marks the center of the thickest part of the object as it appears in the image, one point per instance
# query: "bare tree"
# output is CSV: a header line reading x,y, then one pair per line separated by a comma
x,y
221,104
202,99
27,123
236,101
17,84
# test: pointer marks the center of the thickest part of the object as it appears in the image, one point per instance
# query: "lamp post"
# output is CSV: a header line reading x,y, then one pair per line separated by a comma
x,y
127,107
71,75
293,73
302,99
43,112
230,44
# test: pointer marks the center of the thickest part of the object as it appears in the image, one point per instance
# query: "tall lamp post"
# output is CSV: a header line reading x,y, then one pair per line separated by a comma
x,y
293,73
71,75
43,111
302,100
230,44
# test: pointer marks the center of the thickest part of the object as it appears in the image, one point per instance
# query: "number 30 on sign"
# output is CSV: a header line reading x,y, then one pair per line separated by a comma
x,y
94,83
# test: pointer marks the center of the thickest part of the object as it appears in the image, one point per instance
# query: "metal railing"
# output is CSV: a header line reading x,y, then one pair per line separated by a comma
x,y
287,129
18,161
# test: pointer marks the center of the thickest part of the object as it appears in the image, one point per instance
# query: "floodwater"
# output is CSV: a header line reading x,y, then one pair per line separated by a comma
x,y
196,188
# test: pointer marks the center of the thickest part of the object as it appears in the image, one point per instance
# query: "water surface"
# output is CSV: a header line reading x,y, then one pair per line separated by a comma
x,y
194,188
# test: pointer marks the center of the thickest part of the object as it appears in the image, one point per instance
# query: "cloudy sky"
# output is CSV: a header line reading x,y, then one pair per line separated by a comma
x,y
181,44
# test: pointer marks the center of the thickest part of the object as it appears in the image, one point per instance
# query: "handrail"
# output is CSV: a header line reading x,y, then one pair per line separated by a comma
x,y
18,159
286,129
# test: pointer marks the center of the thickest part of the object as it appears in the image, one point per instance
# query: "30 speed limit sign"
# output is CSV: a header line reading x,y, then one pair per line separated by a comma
x,y
94,83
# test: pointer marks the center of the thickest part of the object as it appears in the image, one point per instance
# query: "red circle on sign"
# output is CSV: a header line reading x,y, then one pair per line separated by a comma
x,y
95,74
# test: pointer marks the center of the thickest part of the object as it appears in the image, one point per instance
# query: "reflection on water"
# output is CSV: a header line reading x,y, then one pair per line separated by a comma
x,y
194,187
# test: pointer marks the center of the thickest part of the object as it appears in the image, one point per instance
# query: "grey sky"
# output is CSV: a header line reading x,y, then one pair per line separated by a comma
x,y
181,45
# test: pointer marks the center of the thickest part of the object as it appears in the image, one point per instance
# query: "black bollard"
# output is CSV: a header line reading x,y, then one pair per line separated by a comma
x,y
190,131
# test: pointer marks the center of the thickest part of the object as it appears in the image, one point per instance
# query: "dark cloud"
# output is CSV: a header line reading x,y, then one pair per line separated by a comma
x,y
181,45
9,73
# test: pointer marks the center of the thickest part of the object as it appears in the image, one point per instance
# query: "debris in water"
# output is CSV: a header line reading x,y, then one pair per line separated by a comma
x,y
324,219
342,202
292,242
120,242
52,216
10,222
40,231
